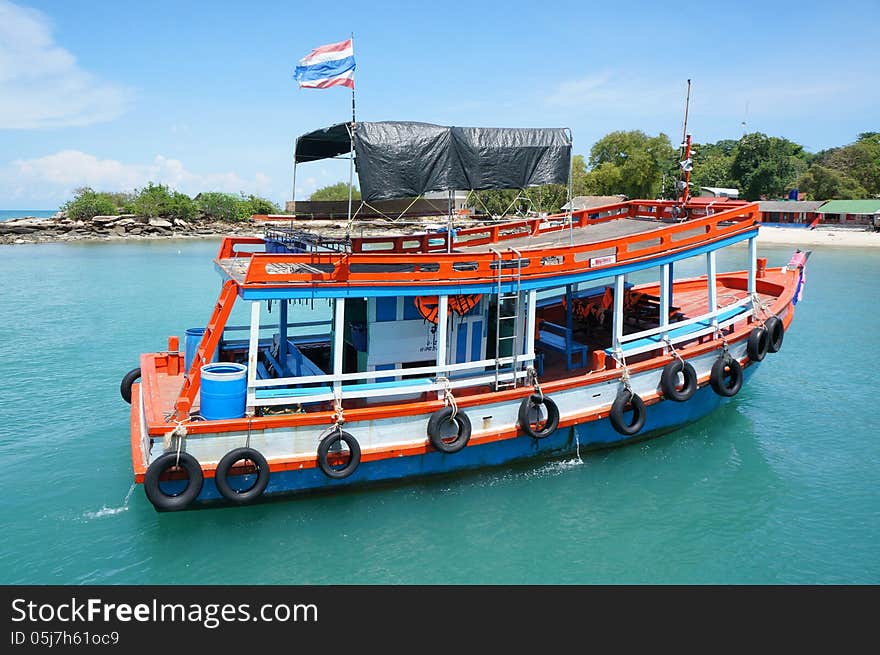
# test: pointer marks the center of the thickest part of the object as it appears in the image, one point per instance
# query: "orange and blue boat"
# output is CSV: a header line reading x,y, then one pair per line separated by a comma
x,y
380,358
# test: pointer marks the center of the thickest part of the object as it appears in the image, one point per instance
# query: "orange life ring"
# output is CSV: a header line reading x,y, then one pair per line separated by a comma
x,y
461,305
429,306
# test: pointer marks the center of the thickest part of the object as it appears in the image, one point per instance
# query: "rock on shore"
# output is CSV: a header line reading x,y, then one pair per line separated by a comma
x,y
122,226
131,227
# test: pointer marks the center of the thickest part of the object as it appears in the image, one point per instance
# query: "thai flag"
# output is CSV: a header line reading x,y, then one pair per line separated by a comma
x,y
326,66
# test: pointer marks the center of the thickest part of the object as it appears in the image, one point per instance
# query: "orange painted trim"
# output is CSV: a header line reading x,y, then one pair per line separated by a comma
x,y
769,284
310,461
709,229
227,246
137,456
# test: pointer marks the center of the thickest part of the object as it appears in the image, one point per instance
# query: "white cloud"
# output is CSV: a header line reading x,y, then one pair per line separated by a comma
x,y
41,84
57,175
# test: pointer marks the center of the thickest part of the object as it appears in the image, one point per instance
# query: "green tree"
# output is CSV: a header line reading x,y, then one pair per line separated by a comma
x,y
579,176
547,197
631,163
859,161
258,205
501,202
712,165
223,206
823,183
766,166
87,203
338,191
157,200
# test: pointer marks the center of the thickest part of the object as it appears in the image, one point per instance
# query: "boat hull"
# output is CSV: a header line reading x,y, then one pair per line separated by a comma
x,y
662,417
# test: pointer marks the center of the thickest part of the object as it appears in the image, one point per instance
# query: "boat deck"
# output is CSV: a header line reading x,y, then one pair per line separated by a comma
x,y
608,231
237,267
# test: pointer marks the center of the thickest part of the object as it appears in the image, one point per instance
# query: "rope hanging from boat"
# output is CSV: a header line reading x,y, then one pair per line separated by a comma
x,y
448,397
338,417
618,356
532,375
179,433
672,350
763,306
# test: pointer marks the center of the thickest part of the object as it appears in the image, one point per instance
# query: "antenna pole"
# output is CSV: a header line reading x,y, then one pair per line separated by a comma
x,y
686,149
687,103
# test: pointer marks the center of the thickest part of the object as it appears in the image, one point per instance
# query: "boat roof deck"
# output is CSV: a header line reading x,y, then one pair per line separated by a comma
x,y
236,267
599,232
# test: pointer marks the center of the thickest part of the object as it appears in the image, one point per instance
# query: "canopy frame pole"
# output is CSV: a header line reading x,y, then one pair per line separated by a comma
x,y
570,186
450,223
350,167
293,190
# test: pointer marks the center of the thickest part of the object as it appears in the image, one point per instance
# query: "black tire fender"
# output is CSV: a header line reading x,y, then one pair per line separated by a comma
x,y
328,442
221,475
550,425
618,407
724,384
759,341
669,381
776,330
435,430
173,502
127,381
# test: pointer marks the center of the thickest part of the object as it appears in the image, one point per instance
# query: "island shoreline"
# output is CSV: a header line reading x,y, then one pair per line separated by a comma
x,y
126,228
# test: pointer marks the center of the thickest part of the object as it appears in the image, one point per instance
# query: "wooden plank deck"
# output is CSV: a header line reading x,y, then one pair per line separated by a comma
x,y
597,233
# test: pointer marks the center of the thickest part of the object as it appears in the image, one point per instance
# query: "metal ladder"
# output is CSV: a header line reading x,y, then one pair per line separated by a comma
x,y
507,279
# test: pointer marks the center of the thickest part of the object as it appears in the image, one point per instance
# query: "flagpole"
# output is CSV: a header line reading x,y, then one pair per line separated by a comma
x,y
351,152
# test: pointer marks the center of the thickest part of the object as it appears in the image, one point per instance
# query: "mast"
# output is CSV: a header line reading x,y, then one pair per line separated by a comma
x,y
685,154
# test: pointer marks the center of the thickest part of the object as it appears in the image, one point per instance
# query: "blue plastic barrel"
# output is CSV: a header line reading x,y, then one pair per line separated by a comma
x,y
224,390
191,341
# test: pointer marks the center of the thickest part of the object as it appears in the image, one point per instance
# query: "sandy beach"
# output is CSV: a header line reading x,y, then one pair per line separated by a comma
x,y
822,236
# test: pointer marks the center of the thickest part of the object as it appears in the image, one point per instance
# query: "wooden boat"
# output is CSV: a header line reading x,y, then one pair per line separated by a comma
x,y
362,372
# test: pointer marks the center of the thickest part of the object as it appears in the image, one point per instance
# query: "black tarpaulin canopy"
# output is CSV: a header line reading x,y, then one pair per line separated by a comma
x,y
324,143
396,159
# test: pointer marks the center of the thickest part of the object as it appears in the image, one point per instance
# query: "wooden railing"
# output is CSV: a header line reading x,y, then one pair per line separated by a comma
x,y
363,267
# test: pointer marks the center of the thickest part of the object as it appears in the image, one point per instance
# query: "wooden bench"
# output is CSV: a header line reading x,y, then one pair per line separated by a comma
x,y
560,338
647,308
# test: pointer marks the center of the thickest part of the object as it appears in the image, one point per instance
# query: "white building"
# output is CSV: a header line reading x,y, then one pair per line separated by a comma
x,y
718,192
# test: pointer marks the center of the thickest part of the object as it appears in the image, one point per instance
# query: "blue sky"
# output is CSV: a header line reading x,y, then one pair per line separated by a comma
x,y
199,95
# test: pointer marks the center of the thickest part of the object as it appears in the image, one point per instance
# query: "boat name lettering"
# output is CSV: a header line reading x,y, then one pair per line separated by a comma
x,y
602,261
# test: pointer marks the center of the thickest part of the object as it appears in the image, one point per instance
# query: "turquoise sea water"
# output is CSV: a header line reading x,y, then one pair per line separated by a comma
x,y
778,486
6,214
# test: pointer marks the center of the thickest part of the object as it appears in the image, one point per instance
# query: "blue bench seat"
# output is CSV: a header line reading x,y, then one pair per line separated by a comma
x,y
560,338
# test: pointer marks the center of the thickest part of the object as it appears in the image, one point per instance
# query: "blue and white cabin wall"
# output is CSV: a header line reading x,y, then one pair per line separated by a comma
x,y
398,335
